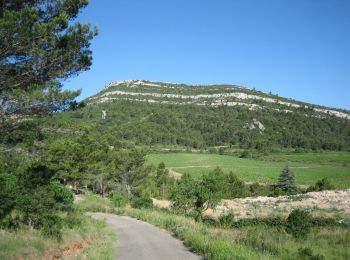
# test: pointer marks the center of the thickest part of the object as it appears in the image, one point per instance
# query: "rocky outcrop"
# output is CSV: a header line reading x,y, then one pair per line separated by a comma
x,y
153,91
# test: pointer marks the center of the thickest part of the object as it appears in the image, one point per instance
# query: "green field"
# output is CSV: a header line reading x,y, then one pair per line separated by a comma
x,y
308,168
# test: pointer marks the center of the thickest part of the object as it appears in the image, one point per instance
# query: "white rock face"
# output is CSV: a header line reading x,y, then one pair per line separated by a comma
x,y
220,99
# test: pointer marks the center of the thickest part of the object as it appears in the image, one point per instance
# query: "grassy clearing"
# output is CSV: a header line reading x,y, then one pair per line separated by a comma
x,y
92,239
264,171
248,242
321,157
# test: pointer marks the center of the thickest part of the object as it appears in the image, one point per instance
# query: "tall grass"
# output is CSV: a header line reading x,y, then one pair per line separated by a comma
x,y
250,242
96,239
257,240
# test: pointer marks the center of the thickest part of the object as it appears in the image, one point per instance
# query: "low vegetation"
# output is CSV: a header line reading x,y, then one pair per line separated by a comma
x,y
265,169
228,238
54,150
80,238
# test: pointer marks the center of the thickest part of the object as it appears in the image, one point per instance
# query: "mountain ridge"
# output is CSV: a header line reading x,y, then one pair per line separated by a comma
x,y
150,113
212,95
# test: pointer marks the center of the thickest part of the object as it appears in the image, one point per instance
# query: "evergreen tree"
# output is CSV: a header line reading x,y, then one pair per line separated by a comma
x,y
286,181
40,46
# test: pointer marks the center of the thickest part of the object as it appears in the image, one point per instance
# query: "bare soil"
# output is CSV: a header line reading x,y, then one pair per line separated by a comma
x,y
324,203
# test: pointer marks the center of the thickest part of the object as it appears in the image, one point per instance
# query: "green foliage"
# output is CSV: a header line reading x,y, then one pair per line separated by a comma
x,y
307,167
8,193
227,220
198,195
307,254
183,195
211,189
141,202
323,184
64,197
200,127
299,223
245,154
26,132
31,244
286,181
163,181
74,218
52,226
255,239
33,199
130,171
62,51
236,188
118,199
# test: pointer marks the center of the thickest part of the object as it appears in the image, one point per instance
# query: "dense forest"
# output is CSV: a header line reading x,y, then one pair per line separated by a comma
x,y
205,126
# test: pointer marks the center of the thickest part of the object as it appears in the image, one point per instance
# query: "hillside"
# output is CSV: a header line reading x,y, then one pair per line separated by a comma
x,y
210,95
151,113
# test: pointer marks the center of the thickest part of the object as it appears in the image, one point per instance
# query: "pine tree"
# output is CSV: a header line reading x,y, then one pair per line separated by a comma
x,y
286,181
39,47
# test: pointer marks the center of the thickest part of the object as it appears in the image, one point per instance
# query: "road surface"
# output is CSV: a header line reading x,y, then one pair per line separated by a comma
x,y
138,240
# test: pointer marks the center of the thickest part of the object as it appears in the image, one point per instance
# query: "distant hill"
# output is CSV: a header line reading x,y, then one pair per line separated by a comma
x,y
149,113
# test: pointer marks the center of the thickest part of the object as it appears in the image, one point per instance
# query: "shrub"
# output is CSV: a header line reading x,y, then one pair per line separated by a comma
x,y
245,154
118,199
277,191
210,220
306,253
52,227
277,222
141,202
286,181
236,188
213,150
74,219
62,195
8,187
320,185
299,223
227,220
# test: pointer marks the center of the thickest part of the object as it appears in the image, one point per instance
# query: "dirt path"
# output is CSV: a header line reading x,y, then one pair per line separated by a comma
x,y
142,241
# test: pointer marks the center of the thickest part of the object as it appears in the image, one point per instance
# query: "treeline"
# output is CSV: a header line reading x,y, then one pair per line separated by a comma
x,y
203,126
37,183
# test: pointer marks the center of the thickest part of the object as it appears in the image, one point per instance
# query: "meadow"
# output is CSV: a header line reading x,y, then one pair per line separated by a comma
x,y
307,167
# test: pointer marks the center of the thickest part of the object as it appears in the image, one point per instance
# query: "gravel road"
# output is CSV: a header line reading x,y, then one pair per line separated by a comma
x,y
138,240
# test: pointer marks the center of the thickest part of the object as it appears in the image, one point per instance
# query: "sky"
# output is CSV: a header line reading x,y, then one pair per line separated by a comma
x,y
298,49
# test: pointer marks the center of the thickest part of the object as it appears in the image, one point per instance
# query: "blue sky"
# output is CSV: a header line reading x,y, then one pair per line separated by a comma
x,y
295,48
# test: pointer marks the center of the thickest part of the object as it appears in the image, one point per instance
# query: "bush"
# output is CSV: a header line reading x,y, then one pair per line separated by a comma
x,y
52,227
62,195
236,188
8,193
74,219
277,191
320,185
306,253
277,222
299,223
227,220
245,154
141,202
118,199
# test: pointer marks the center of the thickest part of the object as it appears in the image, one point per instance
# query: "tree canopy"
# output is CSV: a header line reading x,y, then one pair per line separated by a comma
x,y
40,46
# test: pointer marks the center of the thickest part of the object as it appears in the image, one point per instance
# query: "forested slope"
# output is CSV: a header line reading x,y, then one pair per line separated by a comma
x,y
149,113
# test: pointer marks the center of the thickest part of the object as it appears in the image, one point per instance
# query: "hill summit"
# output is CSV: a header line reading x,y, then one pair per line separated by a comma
x,y
205,95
